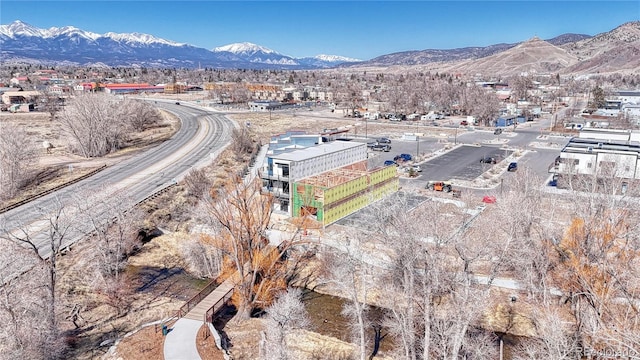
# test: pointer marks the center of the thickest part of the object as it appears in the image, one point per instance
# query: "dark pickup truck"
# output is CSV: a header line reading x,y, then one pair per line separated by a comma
x,y
381,147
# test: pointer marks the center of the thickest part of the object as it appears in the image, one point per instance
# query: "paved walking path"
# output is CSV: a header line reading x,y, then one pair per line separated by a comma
x,y
180,342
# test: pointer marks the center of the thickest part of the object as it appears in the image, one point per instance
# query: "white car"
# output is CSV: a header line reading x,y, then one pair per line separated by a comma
x,y
415,168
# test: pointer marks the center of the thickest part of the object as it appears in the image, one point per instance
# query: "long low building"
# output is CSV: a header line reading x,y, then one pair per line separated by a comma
x,y
602,152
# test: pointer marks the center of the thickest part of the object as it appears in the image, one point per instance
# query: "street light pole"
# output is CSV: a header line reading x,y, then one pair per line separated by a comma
x,y
366,121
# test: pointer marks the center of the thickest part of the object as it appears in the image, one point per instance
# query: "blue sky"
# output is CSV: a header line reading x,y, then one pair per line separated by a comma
x,y
358,29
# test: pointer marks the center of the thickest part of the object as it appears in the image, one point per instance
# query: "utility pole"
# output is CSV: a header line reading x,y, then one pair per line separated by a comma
x,y
417,141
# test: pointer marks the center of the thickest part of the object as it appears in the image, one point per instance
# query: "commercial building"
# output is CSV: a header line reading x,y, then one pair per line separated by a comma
x,y
605,152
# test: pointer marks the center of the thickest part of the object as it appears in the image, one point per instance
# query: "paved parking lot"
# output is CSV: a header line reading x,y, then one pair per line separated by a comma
x,y
427,145
461,163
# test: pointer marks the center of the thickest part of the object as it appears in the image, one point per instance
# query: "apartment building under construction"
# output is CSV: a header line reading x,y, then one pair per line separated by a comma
x,y
334,194
327,180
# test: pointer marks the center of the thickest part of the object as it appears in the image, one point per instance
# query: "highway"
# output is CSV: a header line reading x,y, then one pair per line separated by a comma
x,y
202,135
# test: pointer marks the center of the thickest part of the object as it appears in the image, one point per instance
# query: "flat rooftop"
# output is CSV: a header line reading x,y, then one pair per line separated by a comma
x,y
584,145
319,150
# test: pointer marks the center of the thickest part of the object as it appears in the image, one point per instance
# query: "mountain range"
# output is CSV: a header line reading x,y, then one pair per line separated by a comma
x,y
615,51
20,41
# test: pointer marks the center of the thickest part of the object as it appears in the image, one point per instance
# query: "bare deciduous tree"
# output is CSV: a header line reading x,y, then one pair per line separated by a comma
x,y
239,216
520,86
18,154
555,339
204,258
241,141
114,235
286,314
23,302
197,182
45,249
351,277
480,103
92,125
139,115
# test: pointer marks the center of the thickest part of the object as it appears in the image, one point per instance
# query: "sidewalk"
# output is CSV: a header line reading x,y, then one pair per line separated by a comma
x,y
180,342
257,165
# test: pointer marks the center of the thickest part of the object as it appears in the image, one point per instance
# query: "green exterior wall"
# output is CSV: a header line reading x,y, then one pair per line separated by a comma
x,y
347,198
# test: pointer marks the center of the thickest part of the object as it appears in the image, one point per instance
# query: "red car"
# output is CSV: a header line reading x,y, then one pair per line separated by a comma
x,y
489,199
464,123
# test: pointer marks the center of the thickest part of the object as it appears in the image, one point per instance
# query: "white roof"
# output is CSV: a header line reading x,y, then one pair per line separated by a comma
x,y
315,151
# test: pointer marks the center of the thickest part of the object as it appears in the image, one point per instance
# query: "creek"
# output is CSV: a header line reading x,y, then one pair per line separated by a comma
x,y
325,313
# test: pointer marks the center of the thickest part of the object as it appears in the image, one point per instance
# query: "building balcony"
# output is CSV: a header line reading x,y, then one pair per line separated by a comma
x,y
266,176
279,193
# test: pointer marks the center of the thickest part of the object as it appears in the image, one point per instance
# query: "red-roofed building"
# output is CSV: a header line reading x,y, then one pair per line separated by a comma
x,y
130,88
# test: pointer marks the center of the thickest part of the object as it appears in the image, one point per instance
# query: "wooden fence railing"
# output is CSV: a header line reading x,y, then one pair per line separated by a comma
x,y
191,303
208,316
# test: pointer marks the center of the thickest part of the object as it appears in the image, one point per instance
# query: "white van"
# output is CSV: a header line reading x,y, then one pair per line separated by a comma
x,y
429,117
372,115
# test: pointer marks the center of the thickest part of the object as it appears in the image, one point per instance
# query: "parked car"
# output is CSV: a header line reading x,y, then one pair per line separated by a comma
x,y
389,163
416,168
383,140
497,131
464,123
177,103
381,147
488,160
403,157
512,166
489,199
371,144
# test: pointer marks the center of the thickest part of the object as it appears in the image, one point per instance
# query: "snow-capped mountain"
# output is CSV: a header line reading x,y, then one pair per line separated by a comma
x,y
256,54
327,61
244,48
20,41
335,58
261,55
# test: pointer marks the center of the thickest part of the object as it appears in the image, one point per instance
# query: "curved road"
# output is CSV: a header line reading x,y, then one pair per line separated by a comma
x,y
201,135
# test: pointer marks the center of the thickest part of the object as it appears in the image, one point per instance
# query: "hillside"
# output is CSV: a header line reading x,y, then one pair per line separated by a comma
x,y
615,51
532,56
